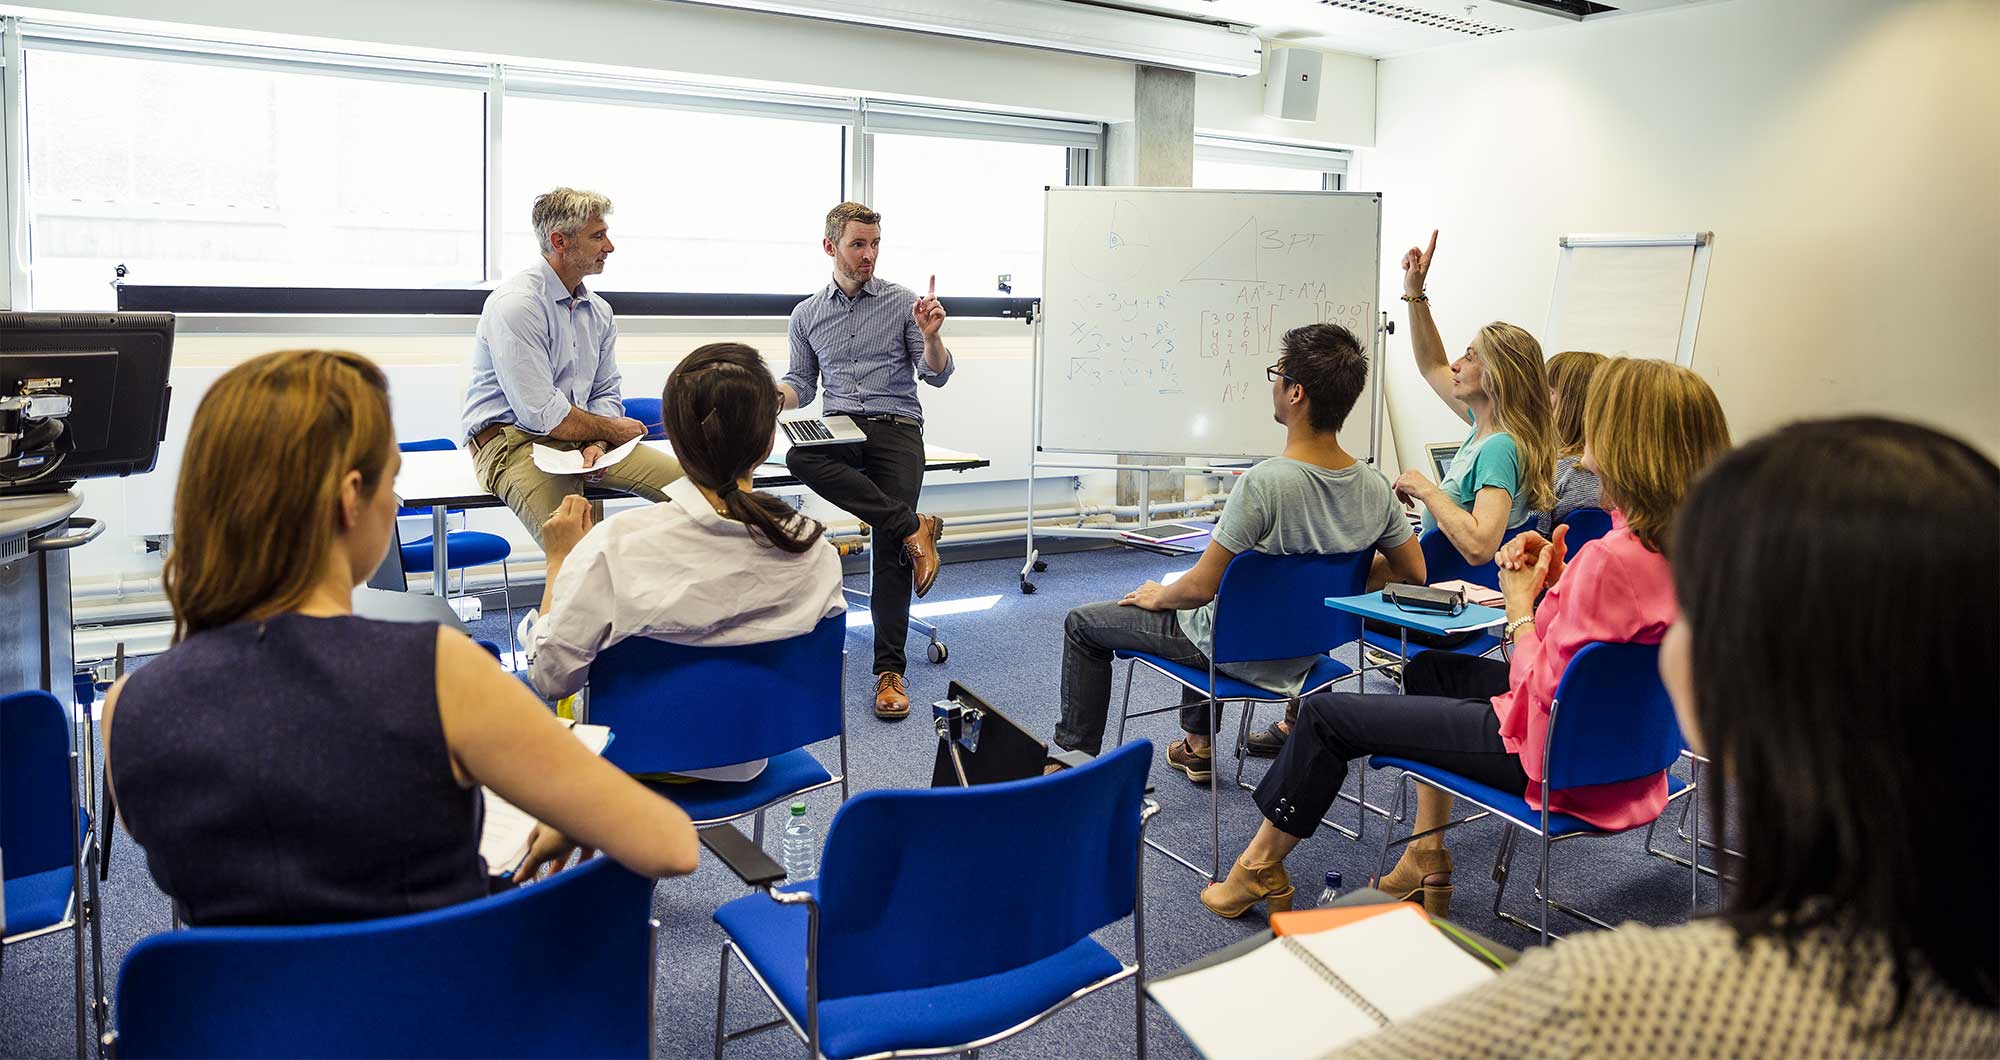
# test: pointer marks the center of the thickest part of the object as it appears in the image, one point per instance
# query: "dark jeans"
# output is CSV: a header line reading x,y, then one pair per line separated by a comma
x,y
1446,720
876,481
1090,634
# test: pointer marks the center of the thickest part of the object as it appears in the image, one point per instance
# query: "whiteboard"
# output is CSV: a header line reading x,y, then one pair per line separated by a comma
x,y
1161,308
1628,296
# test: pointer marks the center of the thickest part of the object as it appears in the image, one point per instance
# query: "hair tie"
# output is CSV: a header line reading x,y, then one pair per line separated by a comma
x,y
728,490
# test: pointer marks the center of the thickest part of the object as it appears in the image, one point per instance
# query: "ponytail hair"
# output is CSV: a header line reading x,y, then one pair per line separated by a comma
x,y
720,410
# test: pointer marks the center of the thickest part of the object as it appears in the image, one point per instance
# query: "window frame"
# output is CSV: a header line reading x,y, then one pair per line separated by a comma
x,y
1332,164
860,118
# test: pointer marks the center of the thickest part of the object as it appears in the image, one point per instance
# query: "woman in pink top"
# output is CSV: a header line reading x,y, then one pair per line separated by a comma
x,y
1649,429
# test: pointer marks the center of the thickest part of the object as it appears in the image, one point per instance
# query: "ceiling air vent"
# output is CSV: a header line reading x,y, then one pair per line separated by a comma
x,y
1418,17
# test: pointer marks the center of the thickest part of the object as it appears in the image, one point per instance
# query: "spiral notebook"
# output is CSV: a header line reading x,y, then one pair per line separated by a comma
x,y
1299,997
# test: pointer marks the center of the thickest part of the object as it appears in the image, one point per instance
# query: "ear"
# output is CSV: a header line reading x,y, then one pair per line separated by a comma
x,y
348,511
826,245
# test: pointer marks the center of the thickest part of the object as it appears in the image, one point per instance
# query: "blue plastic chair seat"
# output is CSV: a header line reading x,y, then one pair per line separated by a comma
x,y
773,939
41,899
714,800
1324,672
37,901
1560,824
1392,644
469,548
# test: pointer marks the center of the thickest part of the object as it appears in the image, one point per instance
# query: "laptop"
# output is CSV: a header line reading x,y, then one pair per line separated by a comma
x,y
1441,454
388,606
818,430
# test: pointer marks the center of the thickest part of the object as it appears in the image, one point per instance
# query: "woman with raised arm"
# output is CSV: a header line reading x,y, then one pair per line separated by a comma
x,y
288,762
1650,429
1834,660
1501,474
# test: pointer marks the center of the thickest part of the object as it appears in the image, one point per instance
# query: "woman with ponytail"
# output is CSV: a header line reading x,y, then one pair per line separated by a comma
x,y
715,563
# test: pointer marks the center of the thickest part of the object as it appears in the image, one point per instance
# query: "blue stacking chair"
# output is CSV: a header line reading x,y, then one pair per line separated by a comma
x,y
1611,720
1267,607
49,840
1585,525
647,411
948,919
563,967
465,549
675,707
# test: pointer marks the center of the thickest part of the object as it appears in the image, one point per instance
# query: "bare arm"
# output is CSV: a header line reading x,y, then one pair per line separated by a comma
x,y
1433,363
1193,589
1476,534
501,736
581,426
1406,562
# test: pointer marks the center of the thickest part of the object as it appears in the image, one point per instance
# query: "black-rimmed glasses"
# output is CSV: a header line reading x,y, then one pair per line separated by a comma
x,y
1273,374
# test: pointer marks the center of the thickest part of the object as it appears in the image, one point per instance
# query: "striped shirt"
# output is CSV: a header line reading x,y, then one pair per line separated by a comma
x,y
1575,488
540,351
866,350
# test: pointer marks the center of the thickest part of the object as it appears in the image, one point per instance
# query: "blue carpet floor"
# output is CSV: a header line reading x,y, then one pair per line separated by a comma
x,y
1006,647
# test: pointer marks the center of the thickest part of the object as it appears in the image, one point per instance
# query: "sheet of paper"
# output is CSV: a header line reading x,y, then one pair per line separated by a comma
x,y
570,461
503,840
1303,1017
1398,961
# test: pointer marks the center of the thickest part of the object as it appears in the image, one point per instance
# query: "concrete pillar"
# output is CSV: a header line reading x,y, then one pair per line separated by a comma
x,y
1153,150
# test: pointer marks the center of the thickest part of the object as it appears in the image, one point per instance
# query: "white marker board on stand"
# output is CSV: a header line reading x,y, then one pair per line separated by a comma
x,y
1629,295
1161,308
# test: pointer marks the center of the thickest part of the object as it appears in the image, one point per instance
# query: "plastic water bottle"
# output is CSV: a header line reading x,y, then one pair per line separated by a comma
x,y
801,847
1332,890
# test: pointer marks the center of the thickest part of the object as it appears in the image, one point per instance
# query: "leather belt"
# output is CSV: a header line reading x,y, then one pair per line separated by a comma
x,y
486,434
881,417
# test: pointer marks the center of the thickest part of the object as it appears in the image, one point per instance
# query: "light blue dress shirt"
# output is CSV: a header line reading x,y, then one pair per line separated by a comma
x,y
541,350
866,350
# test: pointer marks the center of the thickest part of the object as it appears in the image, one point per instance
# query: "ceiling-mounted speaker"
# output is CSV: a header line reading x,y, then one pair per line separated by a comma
x,y
1291,83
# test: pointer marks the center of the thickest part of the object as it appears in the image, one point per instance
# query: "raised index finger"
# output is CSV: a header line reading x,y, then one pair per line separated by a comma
x,y
1433,246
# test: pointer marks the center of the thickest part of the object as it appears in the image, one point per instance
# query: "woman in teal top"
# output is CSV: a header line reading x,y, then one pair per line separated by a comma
x,y
1503,473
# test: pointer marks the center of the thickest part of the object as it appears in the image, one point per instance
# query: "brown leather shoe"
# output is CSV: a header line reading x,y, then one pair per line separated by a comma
x,y
921,549
892,700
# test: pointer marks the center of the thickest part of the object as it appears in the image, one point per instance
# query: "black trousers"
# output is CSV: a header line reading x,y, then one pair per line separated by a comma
x,y
1446,720
877,482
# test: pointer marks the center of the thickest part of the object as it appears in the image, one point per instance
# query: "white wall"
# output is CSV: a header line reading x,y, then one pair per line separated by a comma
x,y
1845,153
1235,105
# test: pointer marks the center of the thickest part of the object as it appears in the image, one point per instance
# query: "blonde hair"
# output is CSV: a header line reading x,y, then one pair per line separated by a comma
x,y
1511,361
1569,379
261,479
837,218
566,210
1653,428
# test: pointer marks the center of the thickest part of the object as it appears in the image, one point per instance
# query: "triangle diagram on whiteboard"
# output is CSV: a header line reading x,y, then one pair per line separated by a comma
x,y
1235,260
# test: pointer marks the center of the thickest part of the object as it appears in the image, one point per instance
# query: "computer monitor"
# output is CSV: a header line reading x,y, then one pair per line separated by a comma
x,y
82,395
1441,454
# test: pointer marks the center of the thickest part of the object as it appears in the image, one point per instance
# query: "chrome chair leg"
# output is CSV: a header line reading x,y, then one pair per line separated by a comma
x,y
507,603
721,1000
1214,789
1125,706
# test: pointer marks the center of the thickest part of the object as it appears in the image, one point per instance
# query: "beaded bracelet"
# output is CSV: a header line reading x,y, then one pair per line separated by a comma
x,y
1416,298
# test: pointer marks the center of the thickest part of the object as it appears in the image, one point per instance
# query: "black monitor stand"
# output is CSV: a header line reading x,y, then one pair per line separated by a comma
x,y
977,744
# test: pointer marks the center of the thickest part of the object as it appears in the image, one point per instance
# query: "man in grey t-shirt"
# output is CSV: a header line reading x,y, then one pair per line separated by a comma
x,y
1314,497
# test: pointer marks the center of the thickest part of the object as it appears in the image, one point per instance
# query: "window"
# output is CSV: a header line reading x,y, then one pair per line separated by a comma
x,y
701,201
1212,174
1226,162
968,211
189,173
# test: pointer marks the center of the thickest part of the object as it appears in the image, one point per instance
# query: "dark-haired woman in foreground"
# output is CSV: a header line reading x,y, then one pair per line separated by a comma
x,y
1835,659
715,563
288,762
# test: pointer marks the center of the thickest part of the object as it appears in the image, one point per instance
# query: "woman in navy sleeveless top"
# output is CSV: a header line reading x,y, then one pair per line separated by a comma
x,y
288,762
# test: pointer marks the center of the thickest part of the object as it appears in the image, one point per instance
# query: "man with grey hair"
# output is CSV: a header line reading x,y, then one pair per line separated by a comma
x,y
543,372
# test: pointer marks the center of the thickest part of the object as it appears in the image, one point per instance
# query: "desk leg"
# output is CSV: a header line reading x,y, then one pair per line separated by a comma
x,y
440,547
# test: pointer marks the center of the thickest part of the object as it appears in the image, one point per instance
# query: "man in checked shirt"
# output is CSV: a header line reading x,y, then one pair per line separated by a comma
x,y
868,341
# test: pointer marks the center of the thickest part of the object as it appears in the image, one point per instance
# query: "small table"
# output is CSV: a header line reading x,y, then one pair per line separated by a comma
x,y
444,479
1371,605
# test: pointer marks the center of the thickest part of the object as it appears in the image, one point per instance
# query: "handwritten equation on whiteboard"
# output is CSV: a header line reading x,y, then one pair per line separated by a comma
x,y
1249,336
1126,339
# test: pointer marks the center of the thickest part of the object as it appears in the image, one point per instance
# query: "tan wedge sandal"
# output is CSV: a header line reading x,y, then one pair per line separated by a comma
x,y
1247,885
1422,875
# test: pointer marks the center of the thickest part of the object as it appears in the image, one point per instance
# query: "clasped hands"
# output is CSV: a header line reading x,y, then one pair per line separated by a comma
x,y
1530,564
